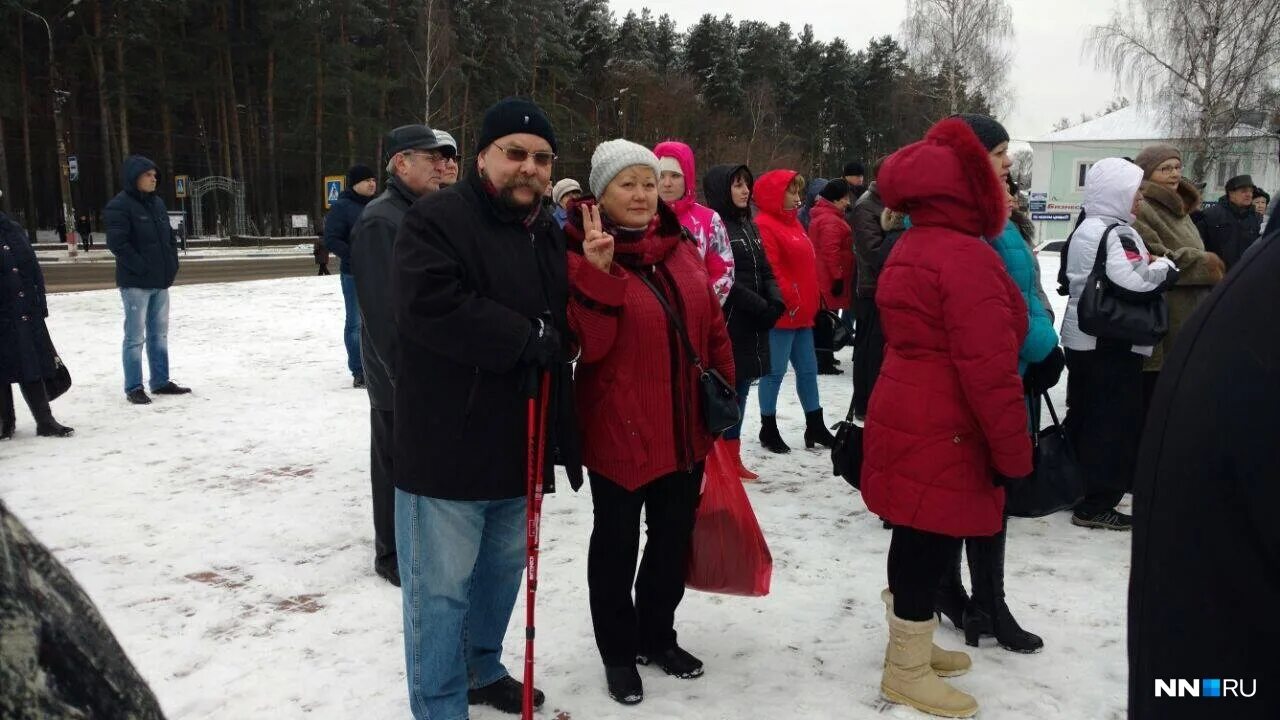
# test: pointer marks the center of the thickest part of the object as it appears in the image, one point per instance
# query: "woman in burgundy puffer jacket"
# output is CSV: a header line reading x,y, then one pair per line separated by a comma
x,y
948,410
636,388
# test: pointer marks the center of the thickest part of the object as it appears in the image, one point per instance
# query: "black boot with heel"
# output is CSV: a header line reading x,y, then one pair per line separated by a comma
x,y
815,431
770,438
987,614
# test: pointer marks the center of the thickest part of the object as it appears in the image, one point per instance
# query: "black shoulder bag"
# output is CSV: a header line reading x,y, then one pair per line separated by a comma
x,y
846,452
1108,311
719,399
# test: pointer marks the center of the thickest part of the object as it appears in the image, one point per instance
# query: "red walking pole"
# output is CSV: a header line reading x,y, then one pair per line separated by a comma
x,y
539,395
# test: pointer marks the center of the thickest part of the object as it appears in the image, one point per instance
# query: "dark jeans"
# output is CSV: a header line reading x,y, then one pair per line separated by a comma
x,y
381,424
868,354
1104,420
351,326
33,393
743,389
624,628
917,559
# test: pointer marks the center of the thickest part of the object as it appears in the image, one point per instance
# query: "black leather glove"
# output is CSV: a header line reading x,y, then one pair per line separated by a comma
x,y
1045,374
837,288
543,347
777,309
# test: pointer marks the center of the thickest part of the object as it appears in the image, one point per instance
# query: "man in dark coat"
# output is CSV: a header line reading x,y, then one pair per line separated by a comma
x,y
868,249
1232,225
85,230
362,183
415,163
1205,575
479,289
26,352
138,235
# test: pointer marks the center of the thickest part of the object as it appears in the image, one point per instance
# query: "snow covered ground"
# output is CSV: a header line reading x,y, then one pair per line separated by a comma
x,y
227,538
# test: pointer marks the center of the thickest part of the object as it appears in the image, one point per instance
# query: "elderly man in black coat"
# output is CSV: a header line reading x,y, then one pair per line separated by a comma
x,y
1205,576
1233,224
26,352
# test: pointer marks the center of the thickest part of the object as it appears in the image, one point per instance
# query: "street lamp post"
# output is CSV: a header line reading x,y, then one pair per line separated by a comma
x,y
59,98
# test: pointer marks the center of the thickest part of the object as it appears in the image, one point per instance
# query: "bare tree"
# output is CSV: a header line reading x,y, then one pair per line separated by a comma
x,y
1021,170
967,41
428,58
1207,62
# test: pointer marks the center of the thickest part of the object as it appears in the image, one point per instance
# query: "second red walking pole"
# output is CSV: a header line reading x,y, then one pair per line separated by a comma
x,y
539,395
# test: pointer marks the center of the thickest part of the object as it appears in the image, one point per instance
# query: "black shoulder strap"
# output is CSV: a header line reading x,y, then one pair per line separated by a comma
x,y
675,319
1100,262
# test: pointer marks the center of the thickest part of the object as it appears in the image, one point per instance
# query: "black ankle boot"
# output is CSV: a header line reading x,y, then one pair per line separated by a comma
x,y
52,428
987,613
770,438
624,684
815,431
951,599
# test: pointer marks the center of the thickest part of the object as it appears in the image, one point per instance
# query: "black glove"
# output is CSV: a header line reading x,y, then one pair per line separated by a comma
x,y
777,309
1045,374
837,288
543,346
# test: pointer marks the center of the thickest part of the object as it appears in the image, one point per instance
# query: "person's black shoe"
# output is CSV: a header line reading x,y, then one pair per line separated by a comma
x,y
506,695
829,369
53,429
138,396
171,388
987,613
951,598
357,381
389,571
1105,520
815,431
770,438
674,661
1008,633
624,684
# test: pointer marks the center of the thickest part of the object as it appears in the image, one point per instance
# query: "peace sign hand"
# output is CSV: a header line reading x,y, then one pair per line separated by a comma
x,y
597,245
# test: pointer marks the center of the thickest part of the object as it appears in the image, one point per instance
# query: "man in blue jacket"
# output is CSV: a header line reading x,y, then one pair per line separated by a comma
x,y
362,184
146,263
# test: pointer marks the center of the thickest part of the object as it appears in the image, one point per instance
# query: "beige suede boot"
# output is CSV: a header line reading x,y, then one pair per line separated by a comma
x,y
945,663
908,678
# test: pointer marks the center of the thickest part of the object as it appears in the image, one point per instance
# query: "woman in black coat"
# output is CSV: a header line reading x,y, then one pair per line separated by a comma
x,y
754,303
26,352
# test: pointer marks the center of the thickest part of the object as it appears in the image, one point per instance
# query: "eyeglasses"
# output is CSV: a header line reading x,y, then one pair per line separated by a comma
x,y
1170,168
432,156
519,155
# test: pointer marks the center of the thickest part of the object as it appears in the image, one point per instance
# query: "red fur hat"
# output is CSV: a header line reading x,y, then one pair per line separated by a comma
x,y
946,180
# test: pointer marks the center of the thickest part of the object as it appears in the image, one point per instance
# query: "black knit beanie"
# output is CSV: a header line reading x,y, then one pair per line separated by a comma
x,y
359,173
512,116
989,131
835,189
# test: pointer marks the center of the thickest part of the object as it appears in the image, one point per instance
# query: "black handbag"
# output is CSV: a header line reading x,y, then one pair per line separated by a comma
x,y
1108,311
846,451
1057,482
719,399
829,333
57,386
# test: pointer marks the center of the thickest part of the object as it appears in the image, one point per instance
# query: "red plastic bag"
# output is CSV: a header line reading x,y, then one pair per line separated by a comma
x,y
728,553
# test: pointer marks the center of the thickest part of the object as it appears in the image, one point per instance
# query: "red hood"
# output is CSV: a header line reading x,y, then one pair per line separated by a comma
x,y
769,192
945,180
683,155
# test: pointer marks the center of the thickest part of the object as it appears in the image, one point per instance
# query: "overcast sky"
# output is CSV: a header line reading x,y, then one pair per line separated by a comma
x,y
1050,78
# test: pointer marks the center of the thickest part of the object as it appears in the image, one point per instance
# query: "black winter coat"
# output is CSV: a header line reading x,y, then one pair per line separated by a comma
x,y
26,353
1228,231
138,232
747,311
1205,578
373,240
338,224
468,279
868,240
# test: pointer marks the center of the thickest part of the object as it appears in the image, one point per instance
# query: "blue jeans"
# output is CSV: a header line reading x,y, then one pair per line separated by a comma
x,y
744,389
460,571
146,321
351,329
795,347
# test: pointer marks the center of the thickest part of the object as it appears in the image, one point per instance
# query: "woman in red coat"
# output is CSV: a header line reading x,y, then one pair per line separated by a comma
x,y
644,439
777,195
833,243
948,410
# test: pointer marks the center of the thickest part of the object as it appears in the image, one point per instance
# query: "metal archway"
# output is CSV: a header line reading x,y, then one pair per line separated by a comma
x,y
197,191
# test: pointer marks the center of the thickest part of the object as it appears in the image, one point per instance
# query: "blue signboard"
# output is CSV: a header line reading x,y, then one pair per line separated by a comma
x,y
1051,216
333,187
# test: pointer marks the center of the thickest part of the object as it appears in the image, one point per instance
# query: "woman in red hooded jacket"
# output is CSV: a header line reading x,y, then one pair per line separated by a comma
x,y
778,196
636,389
948,410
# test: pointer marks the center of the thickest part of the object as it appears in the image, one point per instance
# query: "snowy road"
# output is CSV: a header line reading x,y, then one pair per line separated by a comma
x,y
226,536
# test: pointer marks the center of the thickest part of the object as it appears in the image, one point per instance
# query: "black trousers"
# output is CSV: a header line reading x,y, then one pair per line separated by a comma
x,y
34,394
384,491
1104,420
868,353
625,628
917,560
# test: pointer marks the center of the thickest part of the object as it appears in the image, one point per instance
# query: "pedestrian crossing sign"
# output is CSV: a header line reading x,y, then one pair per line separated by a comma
x,y
333,187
